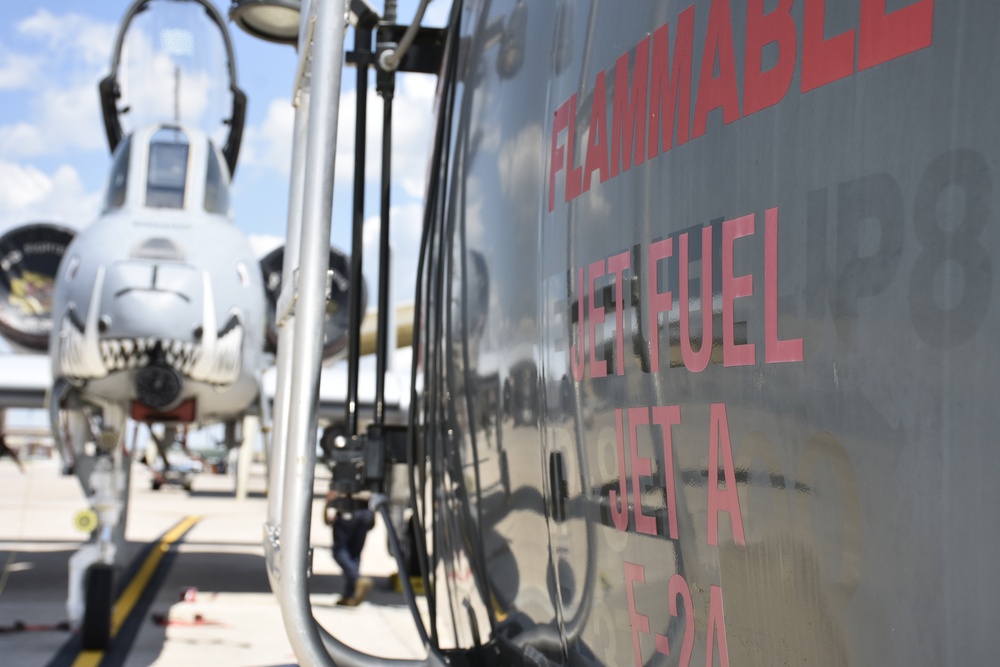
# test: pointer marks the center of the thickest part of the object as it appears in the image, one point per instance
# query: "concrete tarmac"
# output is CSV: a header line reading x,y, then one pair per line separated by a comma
x,y
212,605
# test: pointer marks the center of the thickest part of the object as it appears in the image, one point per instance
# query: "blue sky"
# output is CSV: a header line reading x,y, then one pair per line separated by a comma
x,y
54,157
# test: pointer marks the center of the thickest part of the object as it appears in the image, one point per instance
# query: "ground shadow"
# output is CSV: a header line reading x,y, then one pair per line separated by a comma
x,y
382,594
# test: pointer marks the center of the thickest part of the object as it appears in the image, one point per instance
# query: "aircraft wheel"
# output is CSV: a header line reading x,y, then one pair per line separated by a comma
x,y
156,484
96,632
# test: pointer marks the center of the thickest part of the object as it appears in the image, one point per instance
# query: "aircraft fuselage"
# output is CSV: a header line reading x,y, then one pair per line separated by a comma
x,y
161,306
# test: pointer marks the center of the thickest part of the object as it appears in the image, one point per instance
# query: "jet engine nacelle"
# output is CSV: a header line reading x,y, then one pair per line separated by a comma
x,y
29,262
335,324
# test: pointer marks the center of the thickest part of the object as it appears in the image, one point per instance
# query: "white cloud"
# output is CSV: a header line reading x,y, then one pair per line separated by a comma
x,y
520,164
407,223
475,226
66,118
370,232
22,186
71,117
437,14
18,70
20,139
413,131
62,97
269,145
154,83
72,34
60,84
28,194
346,123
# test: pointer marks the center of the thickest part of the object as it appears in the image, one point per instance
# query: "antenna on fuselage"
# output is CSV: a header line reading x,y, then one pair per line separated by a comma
x,y
177,94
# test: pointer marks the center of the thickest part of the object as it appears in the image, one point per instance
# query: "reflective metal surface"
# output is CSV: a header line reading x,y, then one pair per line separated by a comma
x,y
708,361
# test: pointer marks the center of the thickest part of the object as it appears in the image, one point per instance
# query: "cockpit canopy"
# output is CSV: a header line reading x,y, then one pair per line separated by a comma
x,y
174,167
173,62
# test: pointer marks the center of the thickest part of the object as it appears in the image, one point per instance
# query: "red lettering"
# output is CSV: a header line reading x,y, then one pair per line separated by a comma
x,y
591,345
677,587
641,467
628,118
883,37
658,302
716,629
574,175
652,100
667,416
823,60
696,361
598,368
597,138
619,511
670,84
617,265
720,91
734,287
578,352
638,622
775,350
727,500
764,89
556,163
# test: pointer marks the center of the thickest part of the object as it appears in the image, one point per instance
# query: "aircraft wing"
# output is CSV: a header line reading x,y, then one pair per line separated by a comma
x,y
24,380
333,388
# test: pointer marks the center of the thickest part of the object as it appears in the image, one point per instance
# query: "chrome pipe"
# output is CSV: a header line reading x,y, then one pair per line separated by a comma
x,y
279,434
300,422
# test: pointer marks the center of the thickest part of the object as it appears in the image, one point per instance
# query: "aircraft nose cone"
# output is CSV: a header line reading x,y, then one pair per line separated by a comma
x,y
158,385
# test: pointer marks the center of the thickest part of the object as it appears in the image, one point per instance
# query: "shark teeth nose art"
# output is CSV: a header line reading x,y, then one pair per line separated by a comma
x,y
216,359
223,360
79,350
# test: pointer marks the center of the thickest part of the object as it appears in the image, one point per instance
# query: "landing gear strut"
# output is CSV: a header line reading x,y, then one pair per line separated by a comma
x,y
96,629
95,438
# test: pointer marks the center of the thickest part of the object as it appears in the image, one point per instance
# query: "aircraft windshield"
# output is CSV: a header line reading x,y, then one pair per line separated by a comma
x,y
168,166
118,182
216,185
174,69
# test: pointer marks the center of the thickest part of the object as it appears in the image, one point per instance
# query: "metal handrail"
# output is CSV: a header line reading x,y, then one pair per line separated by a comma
x,y
287,531
299,422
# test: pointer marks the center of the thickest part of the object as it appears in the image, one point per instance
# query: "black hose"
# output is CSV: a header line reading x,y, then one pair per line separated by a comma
x,y
417,452
362,44
386,87
397,551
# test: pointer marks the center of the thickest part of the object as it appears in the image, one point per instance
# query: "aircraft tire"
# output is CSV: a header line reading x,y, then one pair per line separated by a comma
x,y
156,484
96,631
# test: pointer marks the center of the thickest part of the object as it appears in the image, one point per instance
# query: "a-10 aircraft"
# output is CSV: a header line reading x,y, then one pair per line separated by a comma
x,y
706,324
158,312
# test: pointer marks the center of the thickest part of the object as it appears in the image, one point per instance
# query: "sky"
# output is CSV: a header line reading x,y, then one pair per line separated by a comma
x,y
54,156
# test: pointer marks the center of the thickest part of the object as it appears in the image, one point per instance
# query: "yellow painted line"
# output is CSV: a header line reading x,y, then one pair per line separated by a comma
x,y
89,659
125,603
130,596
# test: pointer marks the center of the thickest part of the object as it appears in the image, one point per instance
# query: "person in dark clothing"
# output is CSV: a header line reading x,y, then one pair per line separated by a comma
x,y
350,529
4,448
